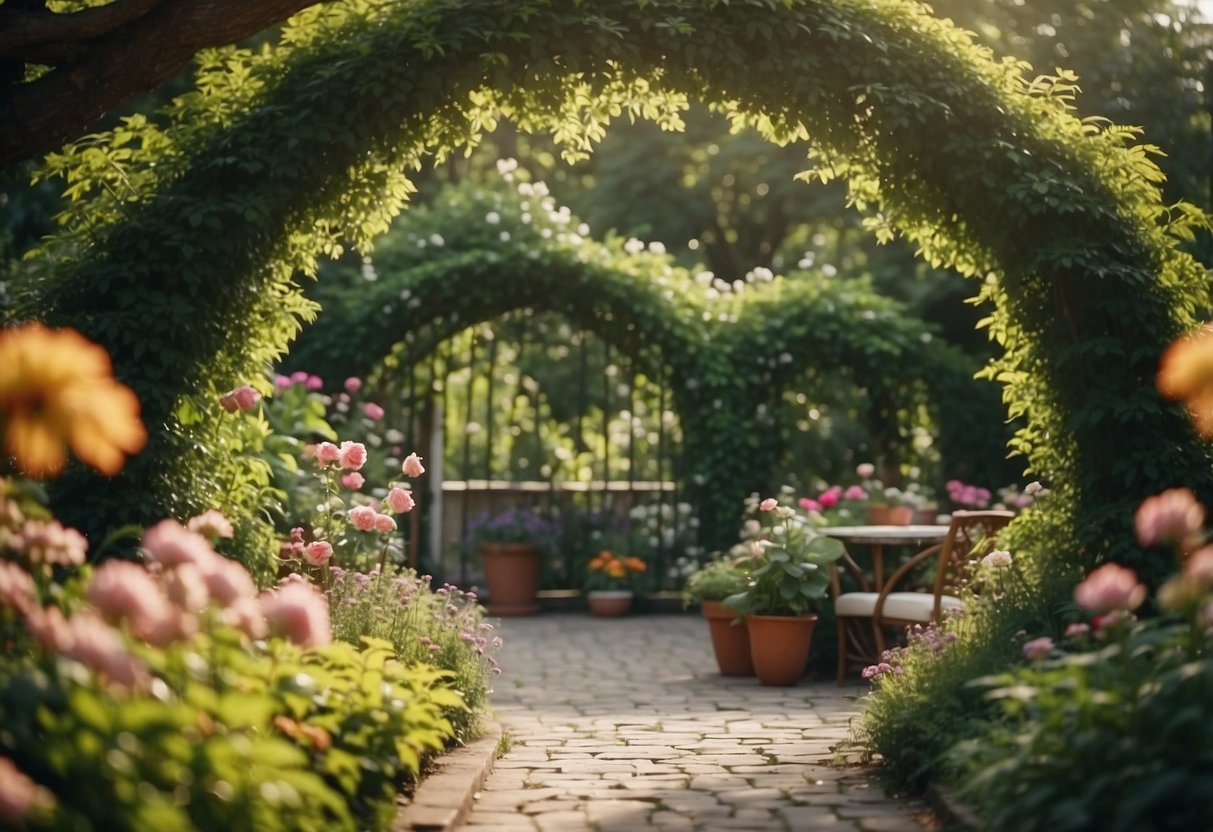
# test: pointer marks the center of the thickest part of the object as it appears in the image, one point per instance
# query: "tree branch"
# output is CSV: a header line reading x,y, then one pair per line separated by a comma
x,y
38,116
21,28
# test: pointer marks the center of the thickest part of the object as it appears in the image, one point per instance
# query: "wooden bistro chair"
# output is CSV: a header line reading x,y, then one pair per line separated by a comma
x,y
863,615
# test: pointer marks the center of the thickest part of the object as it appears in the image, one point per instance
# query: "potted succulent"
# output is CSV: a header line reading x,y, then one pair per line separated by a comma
x,y
511,545
789,574
611,581
709,586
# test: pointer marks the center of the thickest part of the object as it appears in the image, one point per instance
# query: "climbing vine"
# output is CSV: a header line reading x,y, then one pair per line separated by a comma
x,y
180,252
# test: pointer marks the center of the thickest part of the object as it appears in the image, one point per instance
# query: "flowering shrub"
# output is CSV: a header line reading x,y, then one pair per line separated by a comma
x,y
515,525
607,570
175,696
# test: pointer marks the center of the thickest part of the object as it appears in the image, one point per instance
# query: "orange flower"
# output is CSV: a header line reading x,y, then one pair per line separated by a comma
x,y
635,564
57,387
601,560
1186,372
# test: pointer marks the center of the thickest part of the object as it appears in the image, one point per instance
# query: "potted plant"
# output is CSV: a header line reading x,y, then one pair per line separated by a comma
x,y
709,586
789,574
891,506
511,545
611,582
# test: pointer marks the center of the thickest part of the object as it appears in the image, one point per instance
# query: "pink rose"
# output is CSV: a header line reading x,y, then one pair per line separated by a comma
x,y
412,466
855,493
400,500
327,452
353,480
242,398
246,616
16,588
1037,648
373,411
1110,587
353,384
1171,518
169,544
298,612
211,524
124,591
1199,567
352,455
318,552
19,795
50,542
99,646
768,504
299,377
186,588
1077,629
282,382
314,383
363,518
809,504
829,498
228,581
385,523
865,470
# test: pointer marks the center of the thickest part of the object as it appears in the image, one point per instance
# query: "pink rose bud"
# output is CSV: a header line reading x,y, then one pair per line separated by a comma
x,y
373,411
242,398
768,504
400,500
363,518
1038,648
353,384
327,452
318,552
385,523
412,466
352,455
353,480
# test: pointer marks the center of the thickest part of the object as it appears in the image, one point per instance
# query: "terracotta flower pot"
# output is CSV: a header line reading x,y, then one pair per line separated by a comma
x,y
780,645
610,603
730,643
511,571
885,515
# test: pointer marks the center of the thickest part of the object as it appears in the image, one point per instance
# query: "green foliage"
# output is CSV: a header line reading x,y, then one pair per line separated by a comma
x,y
716,580
1111,734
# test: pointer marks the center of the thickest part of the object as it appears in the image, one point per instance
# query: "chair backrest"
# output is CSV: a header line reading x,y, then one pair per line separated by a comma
x,y
970,538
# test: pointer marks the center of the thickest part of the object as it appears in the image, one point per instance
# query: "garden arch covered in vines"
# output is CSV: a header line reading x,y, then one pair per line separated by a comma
x,y
282,155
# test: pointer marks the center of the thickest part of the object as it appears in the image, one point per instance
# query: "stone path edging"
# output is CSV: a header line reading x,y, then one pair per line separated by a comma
x,y
443,799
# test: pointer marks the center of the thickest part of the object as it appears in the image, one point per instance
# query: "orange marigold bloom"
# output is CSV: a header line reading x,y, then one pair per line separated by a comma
x,y
57,388
636,564
1186,372
616,569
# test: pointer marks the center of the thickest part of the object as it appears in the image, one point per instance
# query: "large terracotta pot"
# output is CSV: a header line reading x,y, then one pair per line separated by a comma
x,y
780,645
609,603
511,571
885,515
730,643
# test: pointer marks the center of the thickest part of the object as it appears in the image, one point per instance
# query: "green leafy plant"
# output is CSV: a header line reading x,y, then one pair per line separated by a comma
x,y
717,579
789,568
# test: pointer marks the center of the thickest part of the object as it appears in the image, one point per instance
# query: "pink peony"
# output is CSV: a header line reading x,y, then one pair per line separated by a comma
x,y
211,524
855,493
1172,518
412,466
385,523
169,544
400,500
50,543
1110,587
19,795
373,411
353,480
242,398
352,455
1037,648
363,518
327,452
768,504
16,588
318,552
125,591
353,384
227,581
865,470
297,611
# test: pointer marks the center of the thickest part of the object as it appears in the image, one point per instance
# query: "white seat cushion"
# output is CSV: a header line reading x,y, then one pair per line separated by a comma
x,y
904,606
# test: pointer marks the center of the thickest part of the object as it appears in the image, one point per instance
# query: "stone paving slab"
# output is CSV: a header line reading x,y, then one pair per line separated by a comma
x,y
624,724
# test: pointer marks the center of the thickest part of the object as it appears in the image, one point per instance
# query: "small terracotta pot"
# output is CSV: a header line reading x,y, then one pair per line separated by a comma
x,y
511,571
730,643
610,603
882,515
780,646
